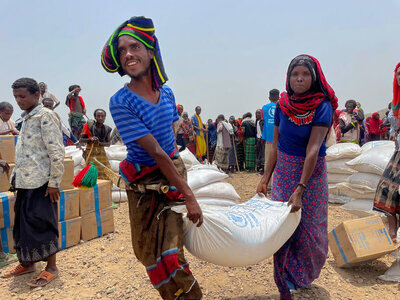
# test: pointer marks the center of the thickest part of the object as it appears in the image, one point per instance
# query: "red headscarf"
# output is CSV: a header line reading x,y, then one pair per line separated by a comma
x,y
179,105
374,124
396,96
301,110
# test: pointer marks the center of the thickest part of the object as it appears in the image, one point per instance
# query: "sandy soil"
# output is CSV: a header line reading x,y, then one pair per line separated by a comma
x,y
106,268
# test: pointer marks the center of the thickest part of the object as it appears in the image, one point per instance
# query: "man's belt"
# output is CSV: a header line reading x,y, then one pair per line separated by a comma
x,y
121,183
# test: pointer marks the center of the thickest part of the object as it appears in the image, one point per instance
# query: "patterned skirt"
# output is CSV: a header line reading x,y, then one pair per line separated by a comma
x,y
250,153
387,198
301,258
36,226
222,157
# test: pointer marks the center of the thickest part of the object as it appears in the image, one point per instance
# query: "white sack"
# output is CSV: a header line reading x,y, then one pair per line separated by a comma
x,y
202,166
374,144
373,160
331,139
188,158
354,191
209,201
217,190
240,235
116,152
114,165
339,166
337,178
119,196
362,208
393,273
202,177
368,179
342,150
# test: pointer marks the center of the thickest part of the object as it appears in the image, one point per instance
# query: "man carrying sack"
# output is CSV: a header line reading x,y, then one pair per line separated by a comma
x,y
144,111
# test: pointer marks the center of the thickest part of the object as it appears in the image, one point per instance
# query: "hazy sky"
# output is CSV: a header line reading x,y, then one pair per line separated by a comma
x,y
222,55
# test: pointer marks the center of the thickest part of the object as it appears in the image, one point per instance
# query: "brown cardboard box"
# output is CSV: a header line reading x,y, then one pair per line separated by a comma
x,y
360,240
96,198
68,157
68,205
7,148
7,241
5,180
69,232
68,177
95,224
7,201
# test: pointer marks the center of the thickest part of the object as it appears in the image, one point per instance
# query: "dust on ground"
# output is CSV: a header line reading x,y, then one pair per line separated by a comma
x,y
106,268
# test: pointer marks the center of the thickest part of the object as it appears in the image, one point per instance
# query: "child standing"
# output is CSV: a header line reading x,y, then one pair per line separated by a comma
x,y
36,177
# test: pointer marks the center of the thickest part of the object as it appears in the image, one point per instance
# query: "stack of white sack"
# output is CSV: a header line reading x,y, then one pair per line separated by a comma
x,y
116,154
240,234
336,158
361,187
76,153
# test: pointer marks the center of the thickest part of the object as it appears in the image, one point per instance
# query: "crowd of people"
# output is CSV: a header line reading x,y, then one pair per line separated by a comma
x,y
286,140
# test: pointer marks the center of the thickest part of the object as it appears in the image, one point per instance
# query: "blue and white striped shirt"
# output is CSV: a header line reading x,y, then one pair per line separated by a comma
x,y
136,117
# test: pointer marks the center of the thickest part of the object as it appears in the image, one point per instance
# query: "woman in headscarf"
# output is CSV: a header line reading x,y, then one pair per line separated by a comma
x,y
303,117
387,198
375,127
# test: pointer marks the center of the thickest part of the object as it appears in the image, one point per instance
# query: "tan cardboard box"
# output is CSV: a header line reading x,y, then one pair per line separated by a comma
x,y
360,240
7,148
68,205
96,198
7,201
69,232
5,179
96,224
7,241
68,177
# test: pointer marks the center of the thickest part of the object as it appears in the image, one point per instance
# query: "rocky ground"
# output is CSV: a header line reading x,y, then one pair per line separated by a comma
x,y
106,268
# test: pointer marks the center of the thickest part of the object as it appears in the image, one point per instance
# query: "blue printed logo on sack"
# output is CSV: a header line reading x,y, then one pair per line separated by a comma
x,y
243,215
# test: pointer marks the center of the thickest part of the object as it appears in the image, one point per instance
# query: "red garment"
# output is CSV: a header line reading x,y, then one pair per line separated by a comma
x,y
396,97
179,105
72,104
302,111
374,125
240,130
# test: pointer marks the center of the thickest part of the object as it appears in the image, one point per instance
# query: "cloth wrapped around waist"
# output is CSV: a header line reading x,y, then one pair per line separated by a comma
x,y
137,174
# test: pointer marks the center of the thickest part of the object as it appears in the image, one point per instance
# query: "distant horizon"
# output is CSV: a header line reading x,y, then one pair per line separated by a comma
x,y
224,56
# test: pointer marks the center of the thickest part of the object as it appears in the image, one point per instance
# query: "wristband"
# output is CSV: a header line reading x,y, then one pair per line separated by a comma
x,y
302,184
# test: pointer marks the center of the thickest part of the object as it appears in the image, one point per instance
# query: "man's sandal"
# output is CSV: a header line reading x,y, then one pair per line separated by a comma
x,y
17,271
46,276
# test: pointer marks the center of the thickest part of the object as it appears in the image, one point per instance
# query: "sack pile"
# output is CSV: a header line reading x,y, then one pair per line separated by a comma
x,y
361,187
336,158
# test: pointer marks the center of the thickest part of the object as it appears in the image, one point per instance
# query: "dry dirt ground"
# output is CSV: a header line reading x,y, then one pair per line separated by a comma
x,y
106,268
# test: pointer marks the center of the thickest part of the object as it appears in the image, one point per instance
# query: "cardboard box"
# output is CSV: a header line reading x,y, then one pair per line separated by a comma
x,y
5,179
7,241
360,240
7,147
95,224
69,232
68,206
68,176
96,198
7,201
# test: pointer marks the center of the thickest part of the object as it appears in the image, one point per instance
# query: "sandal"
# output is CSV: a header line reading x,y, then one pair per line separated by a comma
x,y
17,271
46,276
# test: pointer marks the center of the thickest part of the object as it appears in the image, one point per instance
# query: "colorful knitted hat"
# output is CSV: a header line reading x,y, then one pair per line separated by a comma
x,y
143,30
